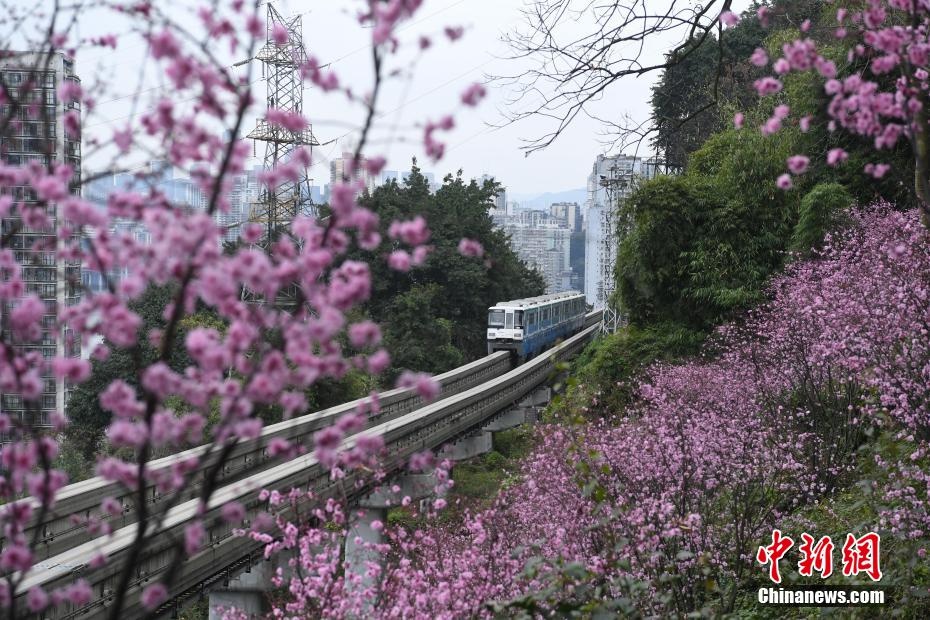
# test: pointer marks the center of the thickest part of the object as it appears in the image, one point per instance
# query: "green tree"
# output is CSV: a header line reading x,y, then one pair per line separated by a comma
x,y
651,270
742,239
822,210
701,246
414,312
453,291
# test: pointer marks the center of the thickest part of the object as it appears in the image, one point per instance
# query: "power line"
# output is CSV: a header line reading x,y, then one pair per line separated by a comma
x,y
332,62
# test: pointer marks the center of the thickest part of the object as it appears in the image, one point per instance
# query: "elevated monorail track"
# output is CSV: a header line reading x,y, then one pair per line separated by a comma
x,y
471,395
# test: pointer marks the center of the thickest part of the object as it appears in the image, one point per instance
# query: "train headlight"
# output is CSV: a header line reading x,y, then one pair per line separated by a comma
x,y
491,334
518,335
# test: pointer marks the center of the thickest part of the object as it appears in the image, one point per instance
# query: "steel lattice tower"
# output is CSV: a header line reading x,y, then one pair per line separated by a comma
x,y
278,206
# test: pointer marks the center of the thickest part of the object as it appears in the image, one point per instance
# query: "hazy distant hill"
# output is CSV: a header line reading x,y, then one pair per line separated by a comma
x,y
528,201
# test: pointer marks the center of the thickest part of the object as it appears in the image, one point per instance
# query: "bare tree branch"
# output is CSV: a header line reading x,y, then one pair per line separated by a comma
x,y
573,65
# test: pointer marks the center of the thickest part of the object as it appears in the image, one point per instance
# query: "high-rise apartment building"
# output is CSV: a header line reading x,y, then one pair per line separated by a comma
x,y
544,242
245,191
569,212
340,167
611,180
36,133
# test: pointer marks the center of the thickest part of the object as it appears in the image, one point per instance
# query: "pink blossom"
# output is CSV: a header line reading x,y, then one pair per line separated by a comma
x,y
784,182
255,26
279,34
836,156
378,361
154,595
474,94
291,121
233,512
767,86
375,165
877,170
771,126
15,557
74,370
364,334
50,188
427,387
781,67
729,19
471,248
36,599
122,138
763,13
399,260
194,535
70,91
412,232
78,593
798,164
163,45
759,57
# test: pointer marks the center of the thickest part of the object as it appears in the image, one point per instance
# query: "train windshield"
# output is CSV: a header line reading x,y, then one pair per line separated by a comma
x,y
496,318
518,319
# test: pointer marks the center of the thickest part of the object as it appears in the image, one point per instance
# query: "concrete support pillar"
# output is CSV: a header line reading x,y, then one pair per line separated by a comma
x,y
359,558
468,447
373,507
246,592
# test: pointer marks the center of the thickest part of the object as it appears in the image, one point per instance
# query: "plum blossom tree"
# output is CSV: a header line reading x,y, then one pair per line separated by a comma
x,y
885,103
269,353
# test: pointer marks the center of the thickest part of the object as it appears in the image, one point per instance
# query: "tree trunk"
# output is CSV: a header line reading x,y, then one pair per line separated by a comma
x,y
922,165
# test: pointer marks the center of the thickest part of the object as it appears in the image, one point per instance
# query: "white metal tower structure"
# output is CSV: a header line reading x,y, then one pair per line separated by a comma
x,y
278,206
617,182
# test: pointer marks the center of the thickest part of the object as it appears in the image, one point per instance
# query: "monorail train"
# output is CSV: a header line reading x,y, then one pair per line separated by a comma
x,y
530,326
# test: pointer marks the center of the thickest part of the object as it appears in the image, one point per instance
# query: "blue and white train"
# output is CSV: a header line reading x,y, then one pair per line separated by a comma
x,y
530,326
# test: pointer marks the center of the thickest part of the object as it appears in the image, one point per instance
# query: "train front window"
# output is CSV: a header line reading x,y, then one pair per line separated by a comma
x,y
518,319
496,318
509,324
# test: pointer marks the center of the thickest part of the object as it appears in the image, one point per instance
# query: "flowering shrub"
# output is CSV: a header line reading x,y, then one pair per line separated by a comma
x,y
658,510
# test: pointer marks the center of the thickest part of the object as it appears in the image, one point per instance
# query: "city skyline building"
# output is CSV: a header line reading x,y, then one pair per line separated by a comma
x,y
611,180
37,134
182,192
341,168
542,241
570,212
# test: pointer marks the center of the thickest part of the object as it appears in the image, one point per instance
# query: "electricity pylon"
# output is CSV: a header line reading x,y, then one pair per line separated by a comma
x,y
278,206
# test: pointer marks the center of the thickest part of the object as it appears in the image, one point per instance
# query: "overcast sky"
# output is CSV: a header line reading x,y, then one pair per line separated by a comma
x,y
332,33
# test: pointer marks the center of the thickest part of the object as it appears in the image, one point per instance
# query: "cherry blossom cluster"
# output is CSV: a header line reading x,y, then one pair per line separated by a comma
x,y
884,102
